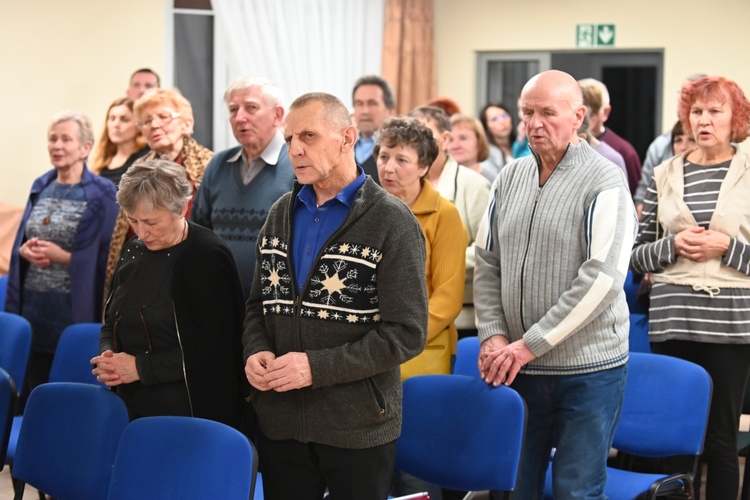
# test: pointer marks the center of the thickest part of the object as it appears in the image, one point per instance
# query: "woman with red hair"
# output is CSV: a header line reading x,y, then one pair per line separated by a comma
x,y
695,238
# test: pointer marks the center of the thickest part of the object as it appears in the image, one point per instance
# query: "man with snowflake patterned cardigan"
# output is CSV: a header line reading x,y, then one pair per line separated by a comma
x,y
338,302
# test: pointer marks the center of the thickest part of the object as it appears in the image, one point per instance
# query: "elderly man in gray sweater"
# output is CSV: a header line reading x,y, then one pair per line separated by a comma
x,y
552,256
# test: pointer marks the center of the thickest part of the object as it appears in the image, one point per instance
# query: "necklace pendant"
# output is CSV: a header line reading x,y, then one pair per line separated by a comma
x,y
46,221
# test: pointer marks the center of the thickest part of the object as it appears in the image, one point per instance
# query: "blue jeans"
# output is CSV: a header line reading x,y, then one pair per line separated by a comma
x,y
577,414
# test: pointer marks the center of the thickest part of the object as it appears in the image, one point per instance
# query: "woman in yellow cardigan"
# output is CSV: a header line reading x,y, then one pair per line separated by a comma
x,y
405,149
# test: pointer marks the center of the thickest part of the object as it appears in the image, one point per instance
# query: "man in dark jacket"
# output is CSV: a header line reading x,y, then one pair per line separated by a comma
x,y
338,303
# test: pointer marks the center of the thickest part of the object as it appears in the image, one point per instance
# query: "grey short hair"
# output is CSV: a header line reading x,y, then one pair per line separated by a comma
x,y
85,130
336,112
270,91
158,184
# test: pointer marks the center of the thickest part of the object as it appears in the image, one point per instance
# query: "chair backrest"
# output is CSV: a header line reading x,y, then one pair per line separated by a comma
x,y
15,346
631,288
182,457
3,288
665,408
77,345
67,443
7,411
467,355
638,338
461,433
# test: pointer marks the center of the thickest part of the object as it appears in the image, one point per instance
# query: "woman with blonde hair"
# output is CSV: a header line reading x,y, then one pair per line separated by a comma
x,y
469,145
165,118
120,143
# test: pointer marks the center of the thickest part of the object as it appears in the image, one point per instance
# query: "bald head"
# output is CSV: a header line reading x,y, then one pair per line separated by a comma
x,y
552,108
556,84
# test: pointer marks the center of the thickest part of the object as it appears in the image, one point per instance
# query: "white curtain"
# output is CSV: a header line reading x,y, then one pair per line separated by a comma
x,y
302,45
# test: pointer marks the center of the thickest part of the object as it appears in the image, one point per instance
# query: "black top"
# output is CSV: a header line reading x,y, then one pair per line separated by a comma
x,y
193,308
116,174
141,309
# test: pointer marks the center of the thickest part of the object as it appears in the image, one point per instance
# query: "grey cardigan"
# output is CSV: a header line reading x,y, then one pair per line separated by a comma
x,y
552,260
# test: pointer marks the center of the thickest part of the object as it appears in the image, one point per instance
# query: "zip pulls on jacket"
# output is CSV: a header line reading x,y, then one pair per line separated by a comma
x,y
182,357
531,225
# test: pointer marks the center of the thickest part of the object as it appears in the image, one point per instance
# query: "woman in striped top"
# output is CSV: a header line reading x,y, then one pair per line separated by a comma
x,y
695,237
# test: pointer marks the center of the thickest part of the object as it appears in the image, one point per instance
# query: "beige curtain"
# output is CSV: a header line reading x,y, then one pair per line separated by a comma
x,y
409,53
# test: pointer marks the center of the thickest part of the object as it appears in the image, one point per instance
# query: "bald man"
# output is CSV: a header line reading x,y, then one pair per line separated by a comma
x,y
551,260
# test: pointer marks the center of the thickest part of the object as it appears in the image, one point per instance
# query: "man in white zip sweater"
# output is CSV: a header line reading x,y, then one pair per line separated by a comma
x,y
551,261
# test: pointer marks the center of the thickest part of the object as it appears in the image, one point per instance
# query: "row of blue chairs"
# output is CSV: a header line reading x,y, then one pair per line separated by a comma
x,y
76,444
665,412
72,425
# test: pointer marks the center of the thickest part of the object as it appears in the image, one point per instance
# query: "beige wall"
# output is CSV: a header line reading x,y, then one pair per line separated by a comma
x,y
78,54
66,54
695,37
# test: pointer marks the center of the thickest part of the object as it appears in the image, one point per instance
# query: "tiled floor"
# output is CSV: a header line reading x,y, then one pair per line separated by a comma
x,y
6,488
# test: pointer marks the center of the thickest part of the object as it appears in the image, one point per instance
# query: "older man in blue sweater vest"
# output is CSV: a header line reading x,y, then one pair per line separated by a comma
x,y
241,183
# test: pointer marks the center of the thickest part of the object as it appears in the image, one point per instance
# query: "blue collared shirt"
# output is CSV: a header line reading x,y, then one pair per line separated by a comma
x,y
314,224
363,148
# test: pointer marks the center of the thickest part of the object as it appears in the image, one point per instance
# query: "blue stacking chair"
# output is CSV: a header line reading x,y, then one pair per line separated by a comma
x,y
664,413
183,457
631,294
3,288
638,337
66,446
450,437
77,345
15,346
467,356
7,410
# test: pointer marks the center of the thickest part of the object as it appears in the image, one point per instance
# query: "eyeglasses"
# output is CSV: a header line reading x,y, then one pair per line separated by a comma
x,y
163,119
503,116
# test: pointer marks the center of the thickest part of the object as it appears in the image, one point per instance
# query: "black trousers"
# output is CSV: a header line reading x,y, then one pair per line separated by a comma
x,y
302,471
728,365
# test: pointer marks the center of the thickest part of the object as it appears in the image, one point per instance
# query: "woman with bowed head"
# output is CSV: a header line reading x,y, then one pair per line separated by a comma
x,y
120,144
405,150
165,118
171,340
694,238
58,261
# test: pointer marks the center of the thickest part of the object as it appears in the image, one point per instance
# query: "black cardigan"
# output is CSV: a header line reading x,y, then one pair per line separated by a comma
x,y
209,310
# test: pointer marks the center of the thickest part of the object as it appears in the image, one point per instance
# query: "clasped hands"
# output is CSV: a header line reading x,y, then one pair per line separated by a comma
x,y
500,360
290,371
42,253
114,368
699,244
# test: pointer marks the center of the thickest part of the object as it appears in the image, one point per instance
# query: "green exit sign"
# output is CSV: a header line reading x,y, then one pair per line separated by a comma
x,y
595,35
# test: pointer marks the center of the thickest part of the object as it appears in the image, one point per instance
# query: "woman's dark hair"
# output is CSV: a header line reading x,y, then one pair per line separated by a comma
x,y
485,126
404,131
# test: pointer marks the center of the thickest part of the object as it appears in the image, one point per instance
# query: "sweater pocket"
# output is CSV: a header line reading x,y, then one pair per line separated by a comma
x,y
346,407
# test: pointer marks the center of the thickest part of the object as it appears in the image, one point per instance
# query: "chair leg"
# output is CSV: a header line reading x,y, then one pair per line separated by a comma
x,y
746,480
18,487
